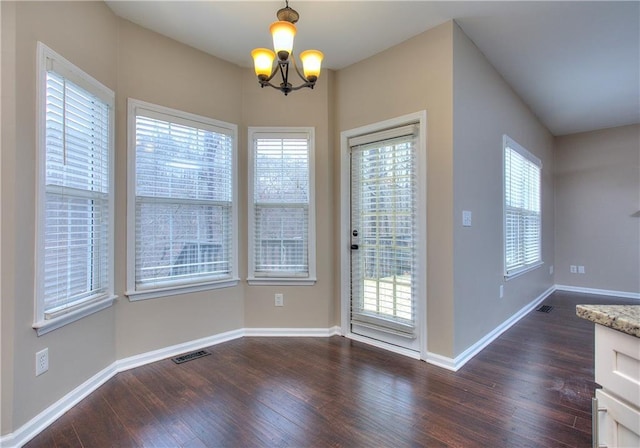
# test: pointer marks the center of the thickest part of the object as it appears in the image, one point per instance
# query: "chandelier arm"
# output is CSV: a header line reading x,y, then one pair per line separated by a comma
x,y
301,86
266,83
291,89
293,58
273,73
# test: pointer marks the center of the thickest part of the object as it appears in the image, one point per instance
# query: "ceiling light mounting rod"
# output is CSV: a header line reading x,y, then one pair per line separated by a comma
x,y
283,32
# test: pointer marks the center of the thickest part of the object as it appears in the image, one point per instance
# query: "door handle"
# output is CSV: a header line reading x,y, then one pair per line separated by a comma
x,y
354,247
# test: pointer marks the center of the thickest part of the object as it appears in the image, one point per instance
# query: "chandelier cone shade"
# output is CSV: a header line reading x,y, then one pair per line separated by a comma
x,y
283,32
263,62
311,63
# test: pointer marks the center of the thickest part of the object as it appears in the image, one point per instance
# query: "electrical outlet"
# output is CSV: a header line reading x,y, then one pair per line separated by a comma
x,y
279,299
42,361
574,269
580,269
466,218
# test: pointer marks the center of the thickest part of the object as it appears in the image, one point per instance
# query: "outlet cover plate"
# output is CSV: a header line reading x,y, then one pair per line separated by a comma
x,y
42,361
279,299
466,218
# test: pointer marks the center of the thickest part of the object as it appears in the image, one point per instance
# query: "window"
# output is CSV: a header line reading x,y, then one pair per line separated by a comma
x,y
74,250
281,206
522,212
182,215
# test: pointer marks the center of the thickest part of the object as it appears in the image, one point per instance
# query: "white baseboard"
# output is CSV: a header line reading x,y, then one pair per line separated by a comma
x,y
292,332
600,292
156,355
442,361
456,363
41,421
37,424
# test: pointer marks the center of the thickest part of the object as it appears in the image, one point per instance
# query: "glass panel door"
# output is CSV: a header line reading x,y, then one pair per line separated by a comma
x,y
383,211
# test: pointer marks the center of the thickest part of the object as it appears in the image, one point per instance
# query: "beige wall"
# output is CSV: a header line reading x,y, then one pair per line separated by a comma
x,y
304,306
79,350
140,64
7,140
413,76
135,63
597,191
485,108
468,107
162,71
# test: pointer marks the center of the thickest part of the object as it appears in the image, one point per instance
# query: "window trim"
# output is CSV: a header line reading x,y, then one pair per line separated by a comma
x,y
275,279
508,142
46,58
181,117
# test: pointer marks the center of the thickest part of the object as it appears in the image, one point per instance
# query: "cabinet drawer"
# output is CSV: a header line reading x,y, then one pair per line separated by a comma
x,y
618,423
617,363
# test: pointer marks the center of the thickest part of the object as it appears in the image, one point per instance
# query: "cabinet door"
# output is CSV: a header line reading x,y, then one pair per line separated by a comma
x,y
618,423
618,363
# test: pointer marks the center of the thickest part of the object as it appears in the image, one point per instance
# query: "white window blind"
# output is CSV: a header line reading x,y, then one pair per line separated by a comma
x,y
281,205
522,211
75,260
184,212
383,207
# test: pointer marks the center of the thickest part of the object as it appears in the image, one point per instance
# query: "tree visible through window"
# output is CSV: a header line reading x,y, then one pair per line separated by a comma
x,y
184,211
281,215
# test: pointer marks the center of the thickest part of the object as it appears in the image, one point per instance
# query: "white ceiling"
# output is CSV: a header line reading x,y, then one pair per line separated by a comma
x,y
575,63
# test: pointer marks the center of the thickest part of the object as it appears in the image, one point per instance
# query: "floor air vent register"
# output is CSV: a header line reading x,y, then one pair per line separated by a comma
x,y
545,309
190,356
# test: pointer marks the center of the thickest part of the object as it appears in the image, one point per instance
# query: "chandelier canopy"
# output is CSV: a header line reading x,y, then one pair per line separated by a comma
x,y
283,32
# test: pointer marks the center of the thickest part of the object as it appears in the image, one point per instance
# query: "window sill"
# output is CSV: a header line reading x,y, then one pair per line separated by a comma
x,y
46,326
513,275
178,289
289,281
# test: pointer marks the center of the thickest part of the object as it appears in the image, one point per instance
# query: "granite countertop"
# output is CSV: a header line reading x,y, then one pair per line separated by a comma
x,y
624,318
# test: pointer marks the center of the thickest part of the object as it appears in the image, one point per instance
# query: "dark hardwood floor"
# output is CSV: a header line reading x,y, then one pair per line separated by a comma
x,y
532,387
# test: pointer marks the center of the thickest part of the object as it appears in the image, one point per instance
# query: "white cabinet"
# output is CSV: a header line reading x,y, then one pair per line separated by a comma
x,y
618,422
616,414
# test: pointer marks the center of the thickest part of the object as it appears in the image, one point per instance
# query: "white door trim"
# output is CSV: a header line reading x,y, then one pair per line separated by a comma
x,y
345,223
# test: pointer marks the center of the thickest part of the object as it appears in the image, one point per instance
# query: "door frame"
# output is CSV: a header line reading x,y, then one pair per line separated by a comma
x,y
421,230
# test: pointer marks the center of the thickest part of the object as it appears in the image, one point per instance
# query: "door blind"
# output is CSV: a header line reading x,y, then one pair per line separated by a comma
x,y
384,228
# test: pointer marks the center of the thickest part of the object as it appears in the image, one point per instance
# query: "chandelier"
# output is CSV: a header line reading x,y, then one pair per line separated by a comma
x,y
283,32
